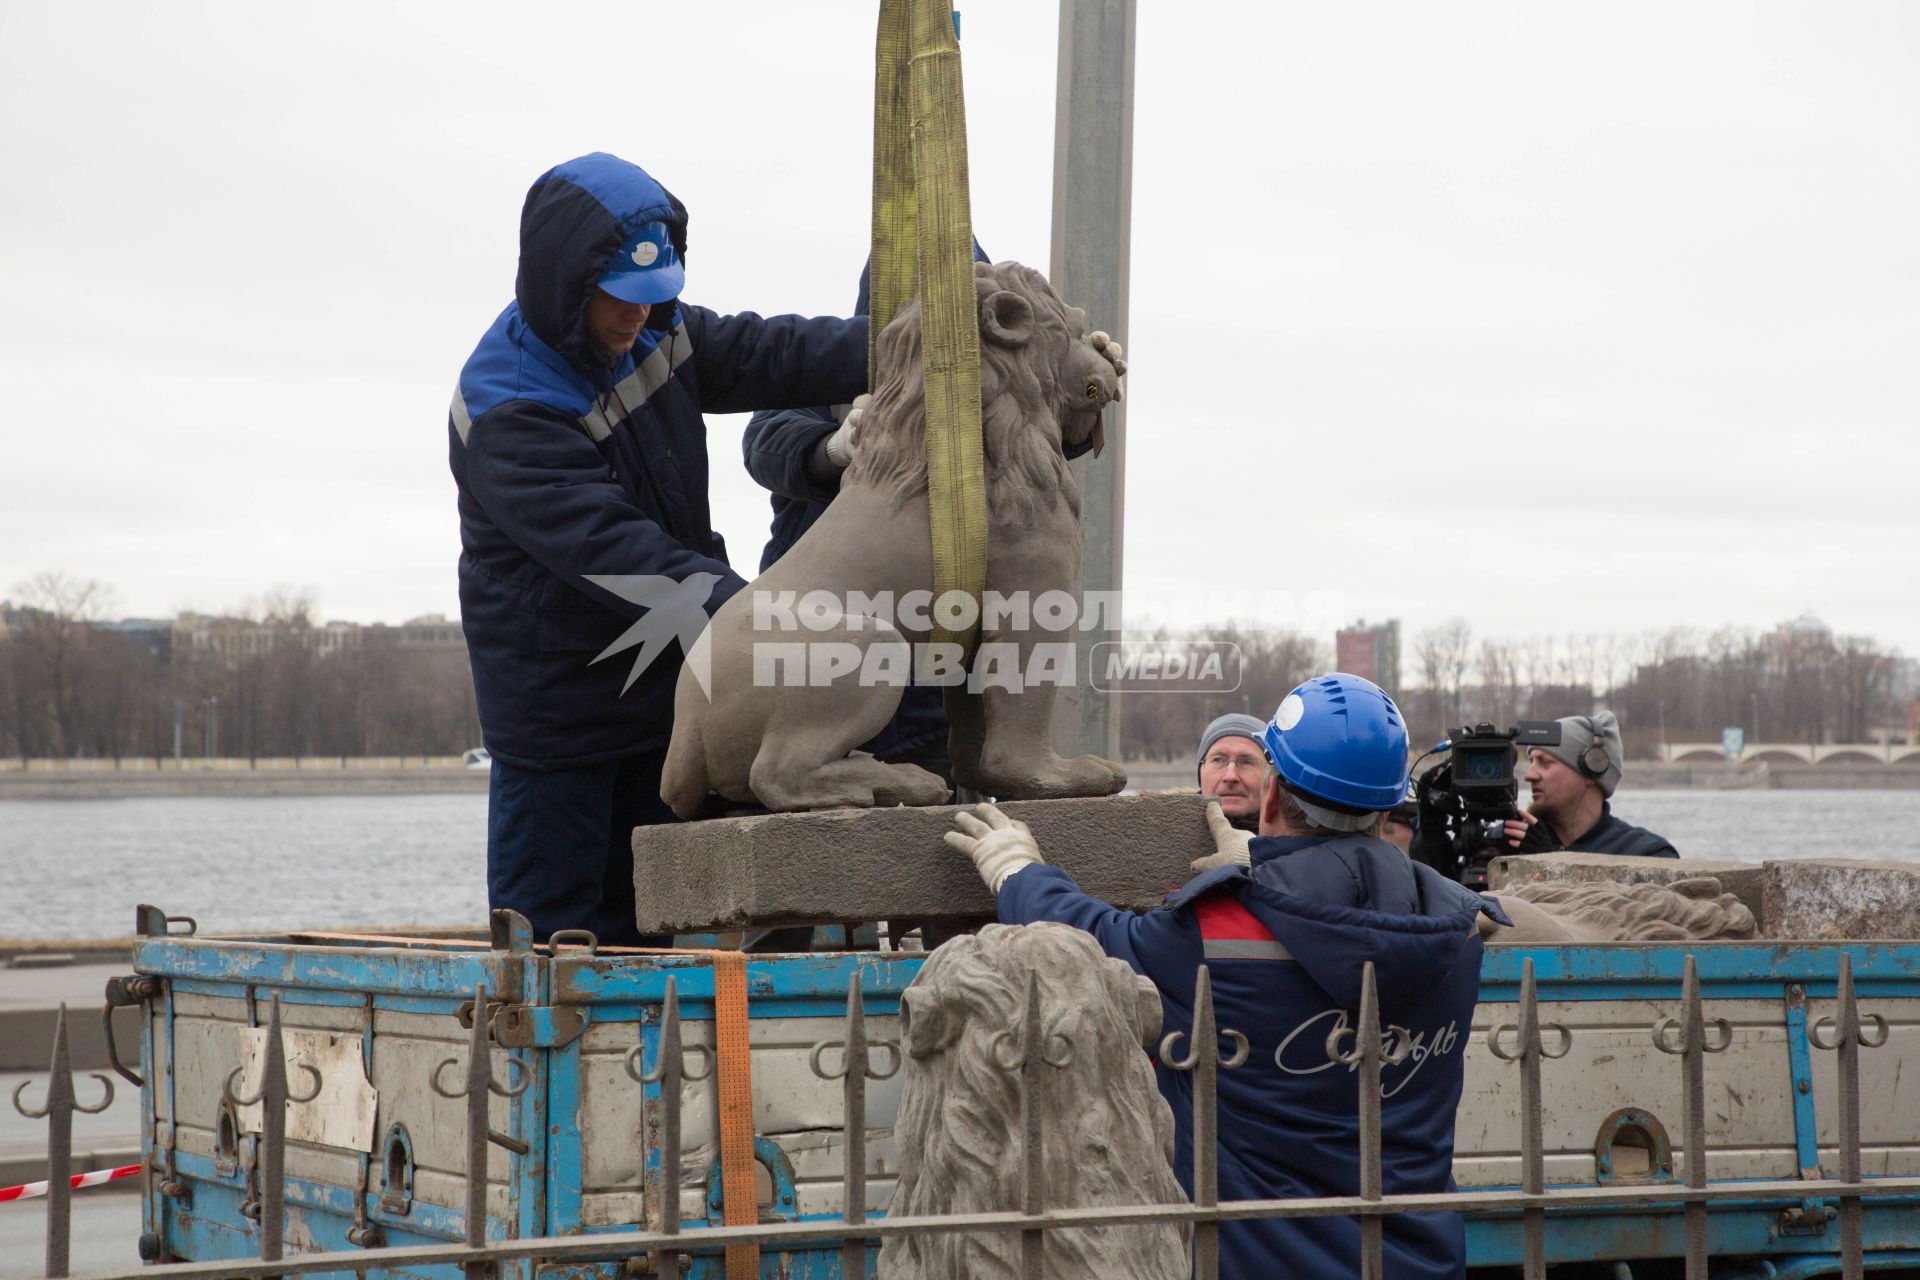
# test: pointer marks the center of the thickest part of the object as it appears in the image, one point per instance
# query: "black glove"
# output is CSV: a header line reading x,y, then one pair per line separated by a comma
x,y
1539,839
1432,824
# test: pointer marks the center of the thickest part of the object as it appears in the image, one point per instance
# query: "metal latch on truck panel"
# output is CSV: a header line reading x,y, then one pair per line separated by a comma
x,y
527,1026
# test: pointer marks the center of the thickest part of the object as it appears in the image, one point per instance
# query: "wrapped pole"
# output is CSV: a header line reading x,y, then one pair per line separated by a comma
x,y
923,232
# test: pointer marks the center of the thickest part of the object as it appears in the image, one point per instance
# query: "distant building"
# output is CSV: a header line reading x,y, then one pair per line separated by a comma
x,y
155,635
1373,652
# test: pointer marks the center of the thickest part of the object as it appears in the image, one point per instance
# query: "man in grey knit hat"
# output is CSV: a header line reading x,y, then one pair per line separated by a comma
x,y
1571,784
1234,767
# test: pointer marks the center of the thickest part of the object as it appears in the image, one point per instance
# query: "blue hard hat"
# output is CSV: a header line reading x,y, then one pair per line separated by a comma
x,y
1341,747
646,268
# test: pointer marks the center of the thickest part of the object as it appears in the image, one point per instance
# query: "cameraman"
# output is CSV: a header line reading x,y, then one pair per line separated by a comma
x,y
1570,785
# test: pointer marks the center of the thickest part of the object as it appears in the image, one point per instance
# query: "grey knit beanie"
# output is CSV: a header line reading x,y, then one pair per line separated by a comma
x,y
1578,734
1234,724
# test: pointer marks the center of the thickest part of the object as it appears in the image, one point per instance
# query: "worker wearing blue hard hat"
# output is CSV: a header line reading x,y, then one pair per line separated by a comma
x,y
1286,922
589,561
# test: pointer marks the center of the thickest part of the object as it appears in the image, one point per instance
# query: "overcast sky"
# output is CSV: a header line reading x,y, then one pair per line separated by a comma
x,y
1558,318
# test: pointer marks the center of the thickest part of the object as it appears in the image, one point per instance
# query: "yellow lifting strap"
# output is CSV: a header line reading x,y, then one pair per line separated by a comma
x,y
923,231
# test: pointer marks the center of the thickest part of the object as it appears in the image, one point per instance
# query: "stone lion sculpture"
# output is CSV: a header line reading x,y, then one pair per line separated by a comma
x,y
1107,1135
772,736
1566,911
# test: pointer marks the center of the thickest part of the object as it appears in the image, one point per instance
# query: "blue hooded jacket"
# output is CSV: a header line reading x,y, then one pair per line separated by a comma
x,y
572,463
1286,942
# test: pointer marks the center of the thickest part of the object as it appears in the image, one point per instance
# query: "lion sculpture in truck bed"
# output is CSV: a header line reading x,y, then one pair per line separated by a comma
x,y
790,702
1107,1135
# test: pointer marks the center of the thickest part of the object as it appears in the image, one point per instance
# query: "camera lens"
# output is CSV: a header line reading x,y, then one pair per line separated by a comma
x,y
1483,767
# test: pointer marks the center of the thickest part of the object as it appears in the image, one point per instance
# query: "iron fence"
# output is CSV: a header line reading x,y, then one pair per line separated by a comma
x,y
666,1250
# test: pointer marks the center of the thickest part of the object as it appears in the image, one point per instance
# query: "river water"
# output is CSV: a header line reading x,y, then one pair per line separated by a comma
x,y
77,868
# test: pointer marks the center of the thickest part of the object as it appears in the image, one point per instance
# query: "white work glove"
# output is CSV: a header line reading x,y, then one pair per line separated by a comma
x,y
998,845
1229,842
846,437
1111,350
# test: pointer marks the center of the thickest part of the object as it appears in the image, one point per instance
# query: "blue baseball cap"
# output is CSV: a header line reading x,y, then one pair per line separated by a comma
x,y
646,268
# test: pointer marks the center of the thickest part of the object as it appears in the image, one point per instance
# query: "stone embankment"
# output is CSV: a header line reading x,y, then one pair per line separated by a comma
x,y
1162,775
101,780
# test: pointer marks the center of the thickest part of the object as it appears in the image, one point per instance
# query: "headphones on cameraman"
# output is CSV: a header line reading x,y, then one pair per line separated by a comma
x,y
1593,761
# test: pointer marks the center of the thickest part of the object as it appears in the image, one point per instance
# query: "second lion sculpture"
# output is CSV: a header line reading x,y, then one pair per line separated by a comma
x,y
791,701
1107,1134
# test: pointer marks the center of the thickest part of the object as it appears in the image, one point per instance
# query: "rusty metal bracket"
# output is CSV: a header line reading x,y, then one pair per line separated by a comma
x,y
151,922
132,991
464,1012
538,1026
1809,1218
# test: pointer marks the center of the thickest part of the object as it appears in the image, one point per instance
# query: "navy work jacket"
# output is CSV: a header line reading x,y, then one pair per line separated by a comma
x,y
1285,942
582,476
1611,835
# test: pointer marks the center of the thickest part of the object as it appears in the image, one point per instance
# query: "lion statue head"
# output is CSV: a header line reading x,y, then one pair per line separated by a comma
x,y
1107,1135
1042,387
1579,911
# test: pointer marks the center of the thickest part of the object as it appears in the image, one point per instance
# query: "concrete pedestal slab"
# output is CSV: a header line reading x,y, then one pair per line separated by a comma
x,y
1836,899
853,865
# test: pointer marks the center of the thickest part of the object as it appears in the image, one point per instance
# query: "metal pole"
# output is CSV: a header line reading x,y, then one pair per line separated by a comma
x,y
856,1059
1529,1049
273,1095
1847,1032
58,1113
1692,1049
1092,227
668,1071
478,1084
1204,1060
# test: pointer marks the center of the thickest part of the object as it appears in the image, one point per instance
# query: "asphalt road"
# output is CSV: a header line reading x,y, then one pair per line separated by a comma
x,y
106,1233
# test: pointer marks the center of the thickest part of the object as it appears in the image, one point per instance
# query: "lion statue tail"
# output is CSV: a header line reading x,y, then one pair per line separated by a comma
x,y
683,779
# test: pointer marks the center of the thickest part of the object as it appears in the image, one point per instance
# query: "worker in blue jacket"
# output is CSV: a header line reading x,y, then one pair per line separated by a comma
x,y
1285,921
589,563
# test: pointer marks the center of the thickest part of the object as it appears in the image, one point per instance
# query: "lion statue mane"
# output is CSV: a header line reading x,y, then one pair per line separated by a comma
x,y
1107,1134
769,711
1580,911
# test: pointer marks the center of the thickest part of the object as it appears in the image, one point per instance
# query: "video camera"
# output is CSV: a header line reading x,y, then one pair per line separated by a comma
x,y
1465,802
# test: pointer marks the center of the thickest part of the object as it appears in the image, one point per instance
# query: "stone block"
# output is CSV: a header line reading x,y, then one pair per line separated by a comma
x,y
1741,879
1834,899
852,865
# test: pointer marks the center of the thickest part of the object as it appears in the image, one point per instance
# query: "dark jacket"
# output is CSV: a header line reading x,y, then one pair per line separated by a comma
x,y
574,465
1610,835
1286,942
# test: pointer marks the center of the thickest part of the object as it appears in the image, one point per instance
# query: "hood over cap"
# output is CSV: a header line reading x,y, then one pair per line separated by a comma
x,y
577,215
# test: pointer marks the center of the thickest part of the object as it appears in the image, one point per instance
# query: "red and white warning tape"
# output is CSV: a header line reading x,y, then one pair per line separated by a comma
x,y
94,1179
